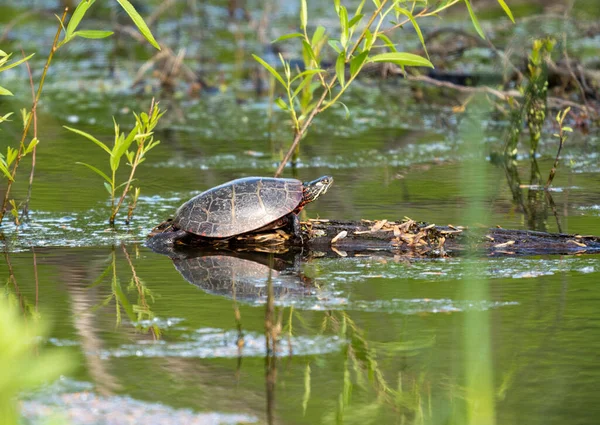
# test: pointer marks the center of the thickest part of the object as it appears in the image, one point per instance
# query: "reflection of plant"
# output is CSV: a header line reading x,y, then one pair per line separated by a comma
x,y
23,364
139,313
142,134
360,367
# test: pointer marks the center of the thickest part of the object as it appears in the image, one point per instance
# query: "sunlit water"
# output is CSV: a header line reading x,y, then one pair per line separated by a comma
x,y
377,339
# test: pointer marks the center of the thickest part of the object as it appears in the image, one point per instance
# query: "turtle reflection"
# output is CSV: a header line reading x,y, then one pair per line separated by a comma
x,y
244,275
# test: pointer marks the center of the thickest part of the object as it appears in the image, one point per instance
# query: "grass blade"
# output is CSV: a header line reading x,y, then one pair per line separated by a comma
x,y
340,66
5,92
506,10
97,171
303,14
94,34
415,26
90,137
139,22
270,69
474,20
19,62
77,16
401,58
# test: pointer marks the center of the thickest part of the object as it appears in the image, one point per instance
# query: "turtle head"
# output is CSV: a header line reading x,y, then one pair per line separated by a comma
x,y
315,188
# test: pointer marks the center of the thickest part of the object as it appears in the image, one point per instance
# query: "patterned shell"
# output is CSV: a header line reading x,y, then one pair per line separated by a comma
x,y
239,206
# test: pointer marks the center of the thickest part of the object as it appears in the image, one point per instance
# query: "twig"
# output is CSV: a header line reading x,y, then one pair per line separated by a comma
x,y
33,111
573,76
501,94
25,210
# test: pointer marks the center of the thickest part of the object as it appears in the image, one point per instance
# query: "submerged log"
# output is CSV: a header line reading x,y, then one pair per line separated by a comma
x,y
406,237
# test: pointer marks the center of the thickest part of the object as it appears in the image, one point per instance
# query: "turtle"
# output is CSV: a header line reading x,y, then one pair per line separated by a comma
x,y
245,205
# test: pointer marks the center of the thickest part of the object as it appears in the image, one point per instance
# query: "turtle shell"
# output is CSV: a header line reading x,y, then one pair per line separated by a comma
x,y
239,206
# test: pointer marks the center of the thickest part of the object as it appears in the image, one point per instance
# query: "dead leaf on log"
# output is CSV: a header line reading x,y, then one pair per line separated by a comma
x,y
505,244
577,243
339,236
378,225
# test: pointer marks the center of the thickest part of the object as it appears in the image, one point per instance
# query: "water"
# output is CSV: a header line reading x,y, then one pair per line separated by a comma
x,y
378,339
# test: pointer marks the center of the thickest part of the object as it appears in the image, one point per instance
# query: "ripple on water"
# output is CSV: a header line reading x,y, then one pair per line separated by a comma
x,y
207,343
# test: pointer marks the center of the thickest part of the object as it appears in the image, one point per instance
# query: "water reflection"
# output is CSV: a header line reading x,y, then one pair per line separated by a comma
x,y
244,275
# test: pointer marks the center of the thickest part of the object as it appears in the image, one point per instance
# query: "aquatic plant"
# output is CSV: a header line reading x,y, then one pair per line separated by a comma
x,y
356,49
142,134
10,163
562,138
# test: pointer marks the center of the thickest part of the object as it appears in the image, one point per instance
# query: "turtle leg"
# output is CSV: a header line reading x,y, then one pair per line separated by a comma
x,y
296,230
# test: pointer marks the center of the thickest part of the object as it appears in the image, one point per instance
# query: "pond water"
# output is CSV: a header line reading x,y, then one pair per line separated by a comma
x,y
374,339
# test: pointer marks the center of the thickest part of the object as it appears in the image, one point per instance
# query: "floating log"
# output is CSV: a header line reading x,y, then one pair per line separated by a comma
x,y
406,237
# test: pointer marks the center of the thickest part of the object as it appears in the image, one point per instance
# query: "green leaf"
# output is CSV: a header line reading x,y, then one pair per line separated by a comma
x,y
5,117
94,34
415,26
31,145
108,188
506,10
474,20
307,80
346,108
287,37
335,45
77,16
95,170
401,58
25,114
19,62
307,73
271,70
357,62
4,168
279,101
344,26
11,155
123,184
5,92
336,5
303,14
340,66
368,40
90,137
139,22
387,42
317,36
308,50
355,21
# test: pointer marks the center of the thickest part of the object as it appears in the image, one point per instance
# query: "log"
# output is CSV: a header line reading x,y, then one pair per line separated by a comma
x,y
406,238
